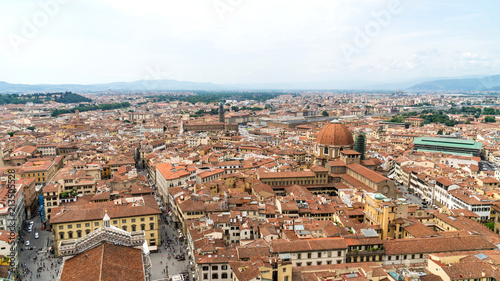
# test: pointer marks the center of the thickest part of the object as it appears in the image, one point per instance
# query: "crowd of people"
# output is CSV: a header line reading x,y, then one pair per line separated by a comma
x,y
47,268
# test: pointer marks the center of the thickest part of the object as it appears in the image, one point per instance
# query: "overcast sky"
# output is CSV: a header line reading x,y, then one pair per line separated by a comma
x,y
246,41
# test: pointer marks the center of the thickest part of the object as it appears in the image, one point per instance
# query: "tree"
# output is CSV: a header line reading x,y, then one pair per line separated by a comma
x,y
397,119
325,113
164,128
31,128
440,132
489,119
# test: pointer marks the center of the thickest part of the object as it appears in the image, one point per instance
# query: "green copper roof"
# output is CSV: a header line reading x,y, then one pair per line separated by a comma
x,y
449,142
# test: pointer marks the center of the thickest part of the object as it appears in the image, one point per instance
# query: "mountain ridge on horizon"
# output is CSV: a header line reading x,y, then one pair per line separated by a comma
x,y
464,83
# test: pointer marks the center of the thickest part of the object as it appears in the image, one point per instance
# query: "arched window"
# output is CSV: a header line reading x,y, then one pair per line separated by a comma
x,y
143,227
133,227
87,231
151,226
325,150
79,233
125,227
61,235
70,234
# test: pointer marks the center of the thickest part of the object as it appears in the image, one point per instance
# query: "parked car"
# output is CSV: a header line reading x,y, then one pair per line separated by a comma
x,y
36,235
27,243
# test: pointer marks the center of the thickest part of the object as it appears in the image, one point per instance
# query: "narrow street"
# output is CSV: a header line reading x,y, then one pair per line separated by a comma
x,y
164,263
37,263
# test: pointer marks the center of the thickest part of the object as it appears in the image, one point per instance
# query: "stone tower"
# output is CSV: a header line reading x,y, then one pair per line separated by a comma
x,y
221,112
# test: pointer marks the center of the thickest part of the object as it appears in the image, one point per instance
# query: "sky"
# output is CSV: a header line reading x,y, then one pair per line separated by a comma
x,y
246,41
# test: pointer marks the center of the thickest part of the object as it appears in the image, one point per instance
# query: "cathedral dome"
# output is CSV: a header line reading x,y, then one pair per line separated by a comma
x,y
335,134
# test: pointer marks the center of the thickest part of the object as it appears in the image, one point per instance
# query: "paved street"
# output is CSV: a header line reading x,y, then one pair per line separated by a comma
x,y
412,199
39,257
164,258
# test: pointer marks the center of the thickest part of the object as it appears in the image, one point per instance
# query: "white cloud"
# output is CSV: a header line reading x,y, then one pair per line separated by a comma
x,y
255,41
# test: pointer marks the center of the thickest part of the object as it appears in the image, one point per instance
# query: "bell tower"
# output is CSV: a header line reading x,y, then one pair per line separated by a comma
x,y
221,112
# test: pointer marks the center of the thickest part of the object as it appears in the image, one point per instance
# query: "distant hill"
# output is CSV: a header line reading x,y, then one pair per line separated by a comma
x,y
141,85
467,84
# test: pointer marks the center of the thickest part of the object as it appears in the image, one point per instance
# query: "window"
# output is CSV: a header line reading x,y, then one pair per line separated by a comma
x,y
151,226
79,234
124,221
284,269
309,255
397,257
319,255
143,227
133,220
405,257
299,264
205,268
125,227
78,225
339,253
115,222
96,223
328,262
133,227
70,226
152,234
223,267
215,276
223,275
318,263
87,231
299,256
339,261
87,224
60,227
309,263
215,267
70,234
205,276
142,219
329,254
61,235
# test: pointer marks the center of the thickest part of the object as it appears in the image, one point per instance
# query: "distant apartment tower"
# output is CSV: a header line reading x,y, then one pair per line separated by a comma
x,y
221,112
